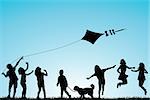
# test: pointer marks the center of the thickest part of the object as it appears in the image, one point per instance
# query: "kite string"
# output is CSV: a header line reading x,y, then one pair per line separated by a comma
x,y
37,53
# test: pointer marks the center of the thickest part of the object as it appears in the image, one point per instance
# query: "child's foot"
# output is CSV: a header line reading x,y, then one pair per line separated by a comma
x,y
118,85
102,92
8,96
145,92
37,97
69,96
99,97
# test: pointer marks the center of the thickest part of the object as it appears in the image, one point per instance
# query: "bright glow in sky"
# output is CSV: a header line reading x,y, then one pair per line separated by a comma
x,y
30,26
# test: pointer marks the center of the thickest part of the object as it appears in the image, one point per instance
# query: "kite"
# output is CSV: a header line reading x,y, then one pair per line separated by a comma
x,y
91,36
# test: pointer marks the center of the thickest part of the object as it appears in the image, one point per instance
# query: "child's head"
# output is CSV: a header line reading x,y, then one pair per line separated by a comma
x,y
21,71
97,68
141,66
61,72
122,62
37,71
9,66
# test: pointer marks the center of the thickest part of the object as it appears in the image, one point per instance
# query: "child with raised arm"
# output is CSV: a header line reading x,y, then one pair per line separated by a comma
x,y
12,77
23,74
141,76
63,83
99,73
40,80
122,71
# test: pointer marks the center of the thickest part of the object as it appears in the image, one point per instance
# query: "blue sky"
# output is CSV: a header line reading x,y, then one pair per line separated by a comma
x,y
30,26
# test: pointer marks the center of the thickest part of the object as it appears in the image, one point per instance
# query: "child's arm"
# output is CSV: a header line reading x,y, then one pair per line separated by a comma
x,y
58,82
109,68
46,74
145,71
4,74
30,73
27,66
118,70
18,62
135,70
90,76
130,67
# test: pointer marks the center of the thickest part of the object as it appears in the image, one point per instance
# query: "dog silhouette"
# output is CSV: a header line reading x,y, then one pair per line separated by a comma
x,y
83,91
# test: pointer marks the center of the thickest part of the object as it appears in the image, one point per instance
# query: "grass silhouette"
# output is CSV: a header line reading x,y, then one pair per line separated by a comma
x,y
129,98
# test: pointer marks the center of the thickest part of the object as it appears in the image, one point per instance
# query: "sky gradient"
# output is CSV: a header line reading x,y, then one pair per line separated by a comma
x,y
30,26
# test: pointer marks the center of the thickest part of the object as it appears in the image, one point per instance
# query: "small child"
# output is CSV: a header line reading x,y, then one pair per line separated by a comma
x,y
100,74
122,73
13,79
141,76
23,74
63,83
40,80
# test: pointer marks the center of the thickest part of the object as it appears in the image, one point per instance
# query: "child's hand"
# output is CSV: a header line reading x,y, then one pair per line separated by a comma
x,y
45,70
3,73
57,84
133,67
21,57
114,66
132,70
87,78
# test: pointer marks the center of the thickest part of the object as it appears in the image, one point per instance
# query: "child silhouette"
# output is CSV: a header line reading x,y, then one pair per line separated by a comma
x,y
141,76
122,71
12,77
40,80
99,73
63,83
23,74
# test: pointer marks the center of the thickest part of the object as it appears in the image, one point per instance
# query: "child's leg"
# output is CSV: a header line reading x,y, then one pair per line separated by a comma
x,y
9,90
103,85
99,91
141,85
39,91
44,91
24,90
15,87
124,81
67,92
61,92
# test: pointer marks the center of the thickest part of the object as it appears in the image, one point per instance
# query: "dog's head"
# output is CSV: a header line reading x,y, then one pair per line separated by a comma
x,y
76,88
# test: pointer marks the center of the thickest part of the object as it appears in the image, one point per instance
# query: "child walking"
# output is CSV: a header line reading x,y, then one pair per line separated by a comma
x,y
63,83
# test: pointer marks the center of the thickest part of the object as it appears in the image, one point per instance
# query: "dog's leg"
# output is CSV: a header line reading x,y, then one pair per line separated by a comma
x,y
83,96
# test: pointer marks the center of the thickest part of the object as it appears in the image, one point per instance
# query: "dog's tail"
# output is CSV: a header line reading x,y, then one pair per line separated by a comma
x,y
92,86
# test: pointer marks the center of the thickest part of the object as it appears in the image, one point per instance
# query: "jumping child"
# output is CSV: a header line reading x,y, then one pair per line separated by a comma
x,y
141,76
122,71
